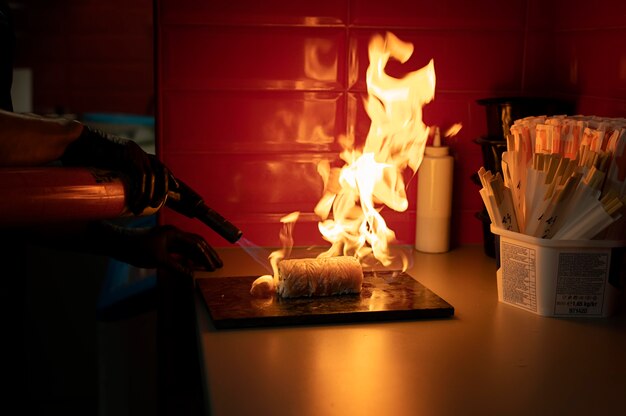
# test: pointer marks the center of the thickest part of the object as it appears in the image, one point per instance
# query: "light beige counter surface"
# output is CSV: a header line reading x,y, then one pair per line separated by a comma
x,y
488,359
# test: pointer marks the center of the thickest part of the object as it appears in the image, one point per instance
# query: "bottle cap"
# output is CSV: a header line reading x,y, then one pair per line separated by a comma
x,y
436,150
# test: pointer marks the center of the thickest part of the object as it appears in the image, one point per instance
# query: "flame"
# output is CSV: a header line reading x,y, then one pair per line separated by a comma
x,y
371,177
453,130
286,239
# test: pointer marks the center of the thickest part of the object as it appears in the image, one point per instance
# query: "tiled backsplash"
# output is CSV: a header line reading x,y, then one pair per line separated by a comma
x,y
87,55
252,94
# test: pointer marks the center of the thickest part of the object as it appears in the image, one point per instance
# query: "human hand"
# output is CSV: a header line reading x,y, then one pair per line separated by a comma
x,y
148,177
168,247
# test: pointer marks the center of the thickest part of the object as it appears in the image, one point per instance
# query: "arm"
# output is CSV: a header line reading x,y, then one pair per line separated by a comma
x,y
162,246
30,140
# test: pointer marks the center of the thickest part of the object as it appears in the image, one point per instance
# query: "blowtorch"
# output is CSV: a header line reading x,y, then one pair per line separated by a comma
x,y
184,200
42,195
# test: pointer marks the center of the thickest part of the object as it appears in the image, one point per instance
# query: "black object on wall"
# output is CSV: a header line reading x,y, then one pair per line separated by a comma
x,y
501,112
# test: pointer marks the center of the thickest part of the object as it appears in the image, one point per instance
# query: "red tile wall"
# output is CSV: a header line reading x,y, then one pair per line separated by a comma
x,y
590,55
252,94
87,55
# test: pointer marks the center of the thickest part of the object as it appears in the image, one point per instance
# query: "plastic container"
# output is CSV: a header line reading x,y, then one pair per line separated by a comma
x,y
434,199
577,278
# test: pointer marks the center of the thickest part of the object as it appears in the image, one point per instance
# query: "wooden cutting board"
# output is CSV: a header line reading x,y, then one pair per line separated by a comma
x,y
385,296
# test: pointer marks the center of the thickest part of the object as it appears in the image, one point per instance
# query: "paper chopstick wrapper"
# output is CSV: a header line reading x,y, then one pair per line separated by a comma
x,y
498,201
552,217
596,218
563,177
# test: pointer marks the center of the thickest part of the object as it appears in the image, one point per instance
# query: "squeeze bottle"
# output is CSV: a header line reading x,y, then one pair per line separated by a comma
x,y
434,198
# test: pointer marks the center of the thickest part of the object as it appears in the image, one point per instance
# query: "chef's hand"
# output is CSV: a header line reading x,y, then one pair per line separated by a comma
x,y
170,248
148,177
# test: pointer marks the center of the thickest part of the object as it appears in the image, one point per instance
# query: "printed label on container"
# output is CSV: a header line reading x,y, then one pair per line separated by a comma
x,y
581,283
519,285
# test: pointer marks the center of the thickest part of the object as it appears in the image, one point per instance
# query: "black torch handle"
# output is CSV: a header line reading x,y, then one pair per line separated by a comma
x,y
186,201
218,223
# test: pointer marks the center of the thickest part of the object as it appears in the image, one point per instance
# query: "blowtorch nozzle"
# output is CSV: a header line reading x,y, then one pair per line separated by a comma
x,y
184,200
219,224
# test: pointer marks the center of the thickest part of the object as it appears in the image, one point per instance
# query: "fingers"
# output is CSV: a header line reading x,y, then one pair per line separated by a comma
x,y
149,180
209,255
172,249
147,175
139,198
134,163
194,247
160,182
177,267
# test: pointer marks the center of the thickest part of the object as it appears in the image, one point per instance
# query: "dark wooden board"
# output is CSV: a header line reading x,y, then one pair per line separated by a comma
x,y
385,296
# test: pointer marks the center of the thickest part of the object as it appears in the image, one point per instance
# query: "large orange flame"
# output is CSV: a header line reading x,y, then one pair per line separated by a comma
x,y
372,176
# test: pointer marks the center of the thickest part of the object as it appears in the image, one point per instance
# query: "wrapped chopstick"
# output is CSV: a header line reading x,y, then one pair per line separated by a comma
x,y
562,178
497,199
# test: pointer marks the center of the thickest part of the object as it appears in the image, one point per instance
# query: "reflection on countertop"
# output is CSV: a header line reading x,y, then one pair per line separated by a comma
x,y
489,358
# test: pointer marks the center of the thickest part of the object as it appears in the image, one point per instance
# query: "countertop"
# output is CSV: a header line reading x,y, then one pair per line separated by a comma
x,y
488,359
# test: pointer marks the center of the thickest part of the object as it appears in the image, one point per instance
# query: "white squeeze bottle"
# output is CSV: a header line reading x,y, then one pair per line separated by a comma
x,y
434,198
